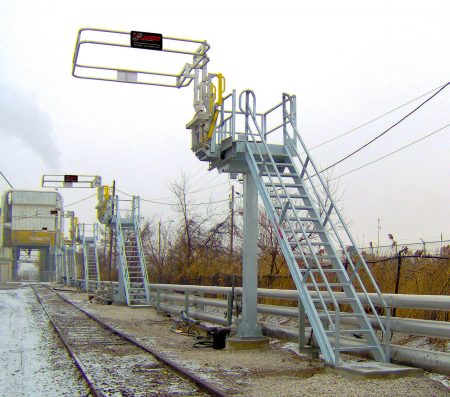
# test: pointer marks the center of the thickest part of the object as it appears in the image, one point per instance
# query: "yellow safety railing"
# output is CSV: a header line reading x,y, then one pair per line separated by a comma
x,y
221,89
106,193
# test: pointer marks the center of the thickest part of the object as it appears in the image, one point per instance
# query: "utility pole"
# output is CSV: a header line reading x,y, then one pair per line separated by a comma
x,y
232,221
159,241
111,232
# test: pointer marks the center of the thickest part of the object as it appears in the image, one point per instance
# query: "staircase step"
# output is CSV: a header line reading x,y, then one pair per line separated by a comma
x,y
357,348
277,164
313,243
327,299
315,270
292,196
302,219
309,256
310,231
282,174
278,184
324,285
349,331
296,207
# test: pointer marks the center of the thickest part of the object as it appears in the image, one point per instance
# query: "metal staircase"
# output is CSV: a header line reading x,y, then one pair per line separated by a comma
x,y
90,259
70,266
322,257
131,258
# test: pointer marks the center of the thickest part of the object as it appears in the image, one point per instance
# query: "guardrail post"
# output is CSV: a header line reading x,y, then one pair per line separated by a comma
x,y
186,302
301,325
388,333
158,299
229,308
336,335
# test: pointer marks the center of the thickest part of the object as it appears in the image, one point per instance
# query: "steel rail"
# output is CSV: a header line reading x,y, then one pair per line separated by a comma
x,y
92,386
204,385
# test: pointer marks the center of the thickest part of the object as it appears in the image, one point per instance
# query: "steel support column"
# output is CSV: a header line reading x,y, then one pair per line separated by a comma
x,y
249,328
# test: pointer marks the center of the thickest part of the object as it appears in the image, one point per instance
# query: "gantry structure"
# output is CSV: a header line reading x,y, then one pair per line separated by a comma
x,y
31,231
232,135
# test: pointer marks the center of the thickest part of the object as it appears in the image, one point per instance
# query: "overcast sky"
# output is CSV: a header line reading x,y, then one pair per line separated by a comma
x,y
347,61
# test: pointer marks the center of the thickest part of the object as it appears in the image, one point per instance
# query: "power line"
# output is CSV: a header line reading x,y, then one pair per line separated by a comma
x,y
4,177
387,130
207,188
174,204
194,175
79,201
210,202
390,154
376,118
202,187
168,197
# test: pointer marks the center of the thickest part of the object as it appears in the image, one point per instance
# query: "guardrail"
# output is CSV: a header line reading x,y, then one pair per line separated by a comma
x,y
221,306
191,295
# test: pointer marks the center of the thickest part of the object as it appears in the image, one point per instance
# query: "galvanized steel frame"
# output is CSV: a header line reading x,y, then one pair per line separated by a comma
x,y
179,80
253,140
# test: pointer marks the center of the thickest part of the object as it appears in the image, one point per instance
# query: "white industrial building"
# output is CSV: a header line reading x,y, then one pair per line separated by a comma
x,y
31,232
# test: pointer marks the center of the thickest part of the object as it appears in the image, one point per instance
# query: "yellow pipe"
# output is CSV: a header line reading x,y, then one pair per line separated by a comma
x,y
213,124
221,88
106,192
219,92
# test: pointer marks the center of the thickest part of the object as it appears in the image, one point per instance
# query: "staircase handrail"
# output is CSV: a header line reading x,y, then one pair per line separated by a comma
x,y
264,142
97,264
85,261
136,212
332,209
122,257
342,222
272,214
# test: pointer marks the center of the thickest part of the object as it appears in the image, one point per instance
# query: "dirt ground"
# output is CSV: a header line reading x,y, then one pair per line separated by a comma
x,y
276,371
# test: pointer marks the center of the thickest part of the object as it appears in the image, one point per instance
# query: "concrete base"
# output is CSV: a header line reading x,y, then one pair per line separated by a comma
x,y
238,343
373,369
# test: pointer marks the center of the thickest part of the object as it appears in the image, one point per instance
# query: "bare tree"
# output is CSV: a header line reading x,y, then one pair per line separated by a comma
x,y
156,243
268,245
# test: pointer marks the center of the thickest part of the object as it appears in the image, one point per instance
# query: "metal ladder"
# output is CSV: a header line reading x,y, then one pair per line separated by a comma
x,y
71,265
131,256
90,259
309,227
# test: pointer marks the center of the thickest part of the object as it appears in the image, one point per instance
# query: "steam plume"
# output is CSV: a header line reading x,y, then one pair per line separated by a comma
x,y
21,117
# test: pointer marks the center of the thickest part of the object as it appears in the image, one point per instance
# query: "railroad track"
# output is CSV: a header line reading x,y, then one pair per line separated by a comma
x,y
112,363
